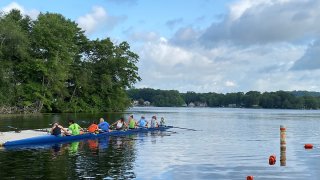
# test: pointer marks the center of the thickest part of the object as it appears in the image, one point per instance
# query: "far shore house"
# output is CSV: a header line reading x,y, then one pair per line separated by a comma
x,y
191,104
202,104
232,105
146,103
135,103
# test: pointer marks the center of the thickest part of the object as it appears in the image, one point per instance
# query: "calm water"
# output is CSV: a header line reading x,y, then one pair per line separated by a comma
x,y
231,144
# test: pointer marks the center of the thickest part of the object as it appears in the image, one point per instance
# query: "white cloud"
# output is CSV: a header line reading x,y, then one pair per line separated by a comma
x,y
268,21
255,47
310,60
238,8
89,22
186,36
144,36
230,84
97,19
33,13
224,68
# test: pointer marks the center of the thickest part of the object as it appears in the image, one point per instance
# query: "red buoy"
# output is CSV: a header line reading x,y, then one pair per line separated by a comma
x,y
308,146
249,177
272,160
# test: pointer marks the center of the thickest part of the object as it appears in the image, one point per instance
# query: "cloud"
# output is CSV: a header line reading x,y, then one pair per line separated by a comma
x,y
310,60
142,36
259,22
257,45
230,84
173,23
33,13
223,68
186,36
97,19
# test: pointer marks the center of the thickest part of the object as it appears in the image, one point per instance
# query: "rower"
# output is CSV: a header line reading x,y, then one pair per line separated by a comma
x,y
162,122
143,122
120,124
74,128
93,128
103,126
56,130
132,122
154,122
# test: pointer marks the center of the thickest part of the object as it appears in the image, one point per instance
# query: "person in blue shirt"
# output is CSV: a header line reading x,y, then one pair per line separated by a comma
x,y
103,126
143,122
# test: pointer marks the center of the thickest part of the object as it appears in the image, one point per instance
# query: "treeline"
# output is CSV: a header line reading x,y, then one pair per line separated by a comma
x,y
161,98
49,65
251,99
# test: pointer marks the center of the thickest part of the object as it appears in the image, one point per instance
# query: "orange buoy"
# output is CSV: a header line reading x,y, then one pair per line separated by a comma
x,y
249,177
272,160
308,146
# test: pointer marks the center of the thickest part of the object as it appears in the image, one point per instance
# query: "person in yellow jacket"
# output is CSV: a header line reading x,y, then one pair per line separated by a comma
x,y
132,122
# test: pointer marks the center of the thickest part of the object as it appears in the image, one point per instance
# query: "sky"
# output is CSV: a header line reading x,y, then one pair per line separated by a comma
x,y
218,46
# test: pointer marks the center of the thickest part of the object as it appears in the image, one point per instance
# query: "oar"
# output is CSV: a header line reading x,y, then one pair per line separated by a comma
x,y
15,129
41,130
183,128
165,130
142,127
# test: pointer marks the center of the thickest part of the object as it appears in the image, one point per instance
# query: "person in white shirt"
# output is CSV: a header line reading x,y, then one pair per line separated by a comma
x,y
120,124
154,123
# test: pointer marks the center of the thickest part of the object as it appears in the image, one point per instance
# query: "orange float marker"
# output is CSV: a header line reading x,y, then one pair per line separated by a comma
x,y
272,160
249,177
308,146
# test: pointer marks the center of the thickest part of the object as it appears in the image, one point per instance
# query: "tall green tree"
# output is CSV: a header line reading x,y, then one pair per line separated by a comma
x,y
54,46
14,55
50,65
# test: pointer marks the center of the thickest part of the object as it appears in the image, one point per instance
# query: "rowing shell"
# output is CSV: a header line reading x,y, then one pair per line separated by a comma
x,y
29,138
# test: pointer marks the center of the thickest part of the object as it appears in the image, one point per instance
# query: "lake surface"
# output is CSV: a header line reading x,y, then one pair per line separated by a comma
x,y
230,144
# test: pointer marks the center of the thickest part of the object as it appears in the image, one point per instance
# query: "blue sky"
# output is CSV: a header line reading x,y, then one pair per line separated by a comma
x,y
205,45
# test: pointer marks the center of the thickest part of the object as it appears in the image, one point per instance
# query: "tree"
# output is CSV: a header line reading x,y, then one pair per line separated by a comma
x,y
14,55
251,98
49,65
55,46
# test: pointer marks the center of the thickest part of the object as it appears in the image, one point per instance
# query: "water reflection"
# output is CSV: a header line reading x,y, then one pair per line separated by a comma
x,y
109,158
93,144
74,146
103,143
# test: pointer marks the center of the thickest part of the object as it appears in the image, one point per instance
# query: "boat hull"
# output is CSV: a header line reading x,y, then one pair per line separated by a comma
x,y
50,139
